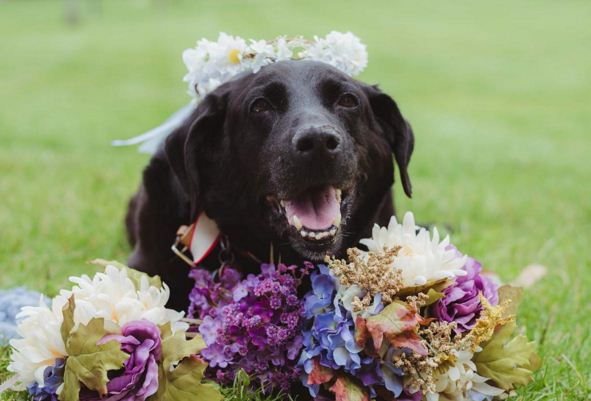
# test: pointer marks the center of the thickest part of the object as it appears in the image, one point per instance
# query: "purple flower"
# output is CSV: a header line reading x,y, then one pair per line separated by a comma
x,y
461,302
207,293
53,377
138,379
253,324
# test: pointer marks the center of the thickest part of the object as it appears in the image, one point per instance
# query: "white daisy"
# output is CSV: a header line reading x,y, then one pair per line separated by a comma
x,y
420,258
341,50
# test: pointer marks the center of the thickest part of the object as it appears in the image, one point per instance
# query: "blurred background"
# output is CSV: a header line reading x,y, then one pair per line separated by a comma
x,y
498,93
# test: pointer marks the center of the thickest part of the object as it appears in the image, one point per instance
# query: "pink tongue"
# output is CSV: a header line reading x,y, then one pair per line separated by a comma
x,y
316,209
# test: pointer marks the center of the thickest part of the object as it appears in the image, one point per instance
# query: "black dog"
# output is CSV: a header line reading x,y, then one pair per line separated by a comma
x,y
298,155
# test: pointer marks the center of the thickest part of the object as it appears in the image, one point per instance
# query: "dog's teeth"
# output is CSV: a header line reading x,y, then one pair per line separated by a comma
x,y
296,222
338,194
282,203
333,232
321,235
337,221
304,233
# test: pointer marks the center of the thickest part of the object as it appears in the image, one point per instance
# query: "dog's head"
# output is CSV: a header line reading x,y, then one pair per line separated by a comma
x,y
298,153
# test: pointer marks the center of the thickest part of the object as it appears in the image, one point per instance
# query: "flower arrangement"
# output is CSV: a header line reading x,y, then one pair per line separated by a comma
x,y
209,64
109,338
409,317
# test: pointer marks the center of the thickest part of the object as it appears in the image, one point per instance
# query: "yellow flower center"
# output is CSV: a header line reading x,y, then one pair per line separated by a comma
x,y
234,56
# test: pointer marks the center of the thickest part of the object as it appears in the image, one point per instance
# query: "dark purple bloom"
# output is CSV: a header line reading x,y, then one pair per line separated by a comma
x,y
461,302
53,377
253,324
138,379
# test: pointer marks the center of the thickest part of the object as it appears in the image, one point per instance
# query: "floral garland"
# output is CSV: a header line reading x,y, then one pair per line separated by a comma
x,y
409,318
210,63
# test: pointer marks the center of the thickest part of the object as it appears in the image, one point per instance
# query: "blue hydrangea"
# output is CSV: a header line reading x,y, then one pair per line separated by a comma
x,y
331,335
11,302
53,377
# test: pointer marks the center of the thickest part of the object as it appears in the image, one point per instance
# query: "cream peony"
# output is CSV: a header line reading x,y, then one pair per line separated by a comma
x,y
461,382
421,258
41,343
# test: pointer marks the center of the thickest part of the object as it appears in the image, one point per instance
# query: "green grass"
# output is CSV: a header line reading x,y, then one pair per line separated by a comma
x,y
499,95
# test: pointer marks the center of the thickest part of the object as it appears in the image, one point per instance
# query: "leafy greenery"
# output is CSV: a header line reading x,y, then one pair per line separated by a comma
x,y
241,390
498,94
508,359
180,375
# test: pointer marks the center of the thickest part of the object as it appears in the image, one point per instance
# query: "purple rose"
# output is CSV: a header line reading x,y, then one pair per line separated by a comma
x,y
461,302
138,379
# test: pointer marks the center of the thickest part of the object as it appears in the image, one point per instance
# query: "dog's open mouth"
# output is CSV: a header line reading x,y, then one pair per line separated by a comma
x,y
315,213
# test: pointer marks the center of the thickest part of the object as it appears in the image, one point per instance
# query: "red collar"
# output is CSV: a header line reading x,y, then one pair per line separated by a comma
x,y
200,239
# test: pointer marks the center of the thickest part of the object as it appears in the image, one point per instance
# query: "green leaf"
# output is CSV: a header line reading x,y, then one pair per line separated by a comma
x,y
88,362
68,323
433,296
134,275
71,389
346,390
507,360
437,285
185,383
165,330
180,376
176,348
396,323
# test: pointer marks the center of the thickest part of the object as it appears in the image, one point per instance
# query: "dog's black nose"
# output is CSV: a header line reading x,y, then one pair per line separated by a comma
x,y
317,141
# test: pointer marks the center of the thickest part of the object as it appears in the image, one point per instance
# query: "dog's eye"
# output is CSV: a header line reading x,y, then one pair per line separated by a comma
x,y
260,106
348,100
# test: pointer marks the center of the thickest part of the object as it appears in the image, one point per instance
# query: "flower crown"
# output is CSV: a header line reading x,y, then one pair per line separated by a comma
x,y
210,64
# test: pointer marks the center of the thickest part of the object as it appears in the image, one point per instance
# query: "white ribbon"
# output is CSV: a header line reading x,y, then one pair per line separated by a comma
x,y
150,140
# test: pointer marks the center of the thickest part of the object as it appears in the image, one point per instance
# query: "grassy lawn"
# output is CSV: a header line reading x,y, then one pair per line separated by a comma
x,y
499,95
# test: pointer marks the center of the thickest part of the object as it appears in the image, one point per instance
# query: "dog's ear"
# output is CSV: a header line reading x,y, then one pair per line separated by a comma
x,y
397,130
189,143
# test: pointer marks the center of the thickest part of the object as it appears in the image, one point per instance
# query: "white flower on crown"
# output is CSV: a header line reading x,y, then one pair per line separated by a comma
x,y
461,381
341,50
111,295
420,258
210,64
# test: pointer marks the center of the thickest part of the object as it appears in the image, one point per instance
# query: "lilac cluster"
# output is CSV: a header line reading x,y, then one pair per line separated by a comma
x,y
254,325
208,295
461,302
53,377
